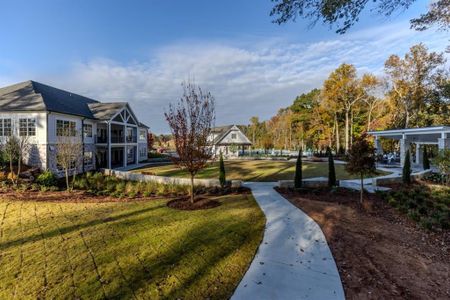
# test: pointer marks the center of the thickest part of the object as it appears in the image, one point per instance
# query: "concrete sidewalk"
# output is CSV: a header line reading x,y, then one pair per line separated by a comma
x,y
293,260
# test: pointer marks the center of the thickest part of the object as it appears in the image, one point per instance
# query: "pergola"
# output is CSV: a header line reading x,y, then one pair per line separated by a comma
x,y
438,135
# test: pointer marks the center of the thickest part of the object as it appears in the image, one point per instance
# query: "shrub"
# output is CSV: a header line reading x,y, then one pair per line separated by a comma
x,y
426,160
3,176
331,169
222,176
406,176
47,179
298,171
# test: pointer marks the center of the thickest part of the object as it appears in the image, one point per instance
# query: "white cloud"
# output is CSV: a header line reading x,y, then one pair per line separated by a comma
x,y
246,80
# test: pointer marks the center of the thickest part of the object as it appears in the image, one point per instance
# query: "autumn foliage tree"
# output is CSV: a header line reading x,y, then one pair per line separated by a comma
x,y
361,160
190,122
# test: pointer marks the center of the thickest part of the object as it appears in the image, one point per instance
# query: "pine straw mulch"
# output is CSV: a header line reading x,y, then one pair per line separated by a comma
x,y
380,253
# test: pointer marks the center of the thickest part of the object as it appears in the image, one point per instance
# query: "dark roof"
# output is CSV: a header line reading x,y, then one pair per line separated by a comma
x,y
221,131
34,96
105,111
143,125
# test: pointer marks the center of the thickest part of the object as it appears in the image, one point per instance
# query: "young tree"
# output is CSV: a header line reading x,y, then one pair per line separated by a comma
x,y
406,174
150,141
331,169
361,160
11,151
69,149
191,121
426,159
222,176
23,148
298,171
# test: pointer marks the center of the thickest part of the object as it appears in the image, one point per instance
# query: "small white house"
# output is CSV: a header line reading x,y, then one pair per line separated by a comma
x,y
229,140
111,134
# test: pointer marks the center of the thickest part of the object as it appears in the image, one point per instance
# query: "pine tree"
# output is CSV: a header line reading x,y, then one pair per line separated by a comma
x,y
298,171
407,169
222,177
426,160
331,169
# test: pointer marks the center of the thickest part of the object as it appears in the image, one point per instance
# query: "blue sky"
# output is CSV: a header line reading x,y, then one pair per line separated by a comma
x,y
140,51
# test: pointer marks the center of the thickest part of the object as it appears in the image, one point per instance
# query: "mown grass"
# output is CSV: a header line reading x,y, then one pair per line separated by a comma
x,y
256,170
135,250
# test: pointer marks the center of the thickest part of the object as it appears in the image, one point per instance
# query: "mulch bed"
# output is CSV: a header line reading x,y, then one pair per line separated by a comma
x,y
380,253
200,202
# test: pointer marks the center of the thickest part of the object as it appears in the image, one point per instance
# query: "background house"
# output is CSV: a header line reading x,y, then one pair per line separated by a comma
x,y
229,140
111,134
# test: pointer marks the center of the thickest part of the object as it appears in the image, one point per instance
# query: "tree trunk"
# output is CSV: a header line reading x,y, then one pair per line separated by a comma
x,y
346,130
351,128
369,118
362,190
11,169
192,188
19,160
338,146
67,179
407,119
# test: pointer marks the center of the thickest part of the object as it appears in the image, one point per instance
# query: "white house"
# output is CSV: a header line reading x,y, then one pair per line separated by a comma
x,y
112,136
229,140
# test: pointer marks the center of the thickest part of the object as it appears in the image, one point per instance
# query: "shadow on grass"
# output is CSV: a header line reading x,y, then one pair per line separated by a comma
x,y
75,227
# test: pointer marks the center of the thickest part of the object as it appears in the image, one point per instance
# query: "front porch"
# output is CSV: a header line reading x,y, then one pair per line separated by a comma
x,y
114,157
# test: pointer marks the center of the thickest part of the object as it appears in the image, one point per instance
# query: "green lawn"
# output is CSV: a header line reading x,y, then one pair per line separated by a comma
x,y
136,250
255,170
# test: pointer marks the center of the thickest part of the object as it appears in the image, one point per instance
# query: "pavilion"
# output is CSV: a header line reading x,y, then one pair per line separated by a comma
x,y
437,135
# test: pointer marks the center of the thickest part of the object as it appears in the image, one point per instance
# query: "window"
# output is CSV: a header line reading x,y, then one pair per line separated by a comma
x,y
73,165
65,128
142,134
142,152
27,127
87,130
88,158
5,127
233,136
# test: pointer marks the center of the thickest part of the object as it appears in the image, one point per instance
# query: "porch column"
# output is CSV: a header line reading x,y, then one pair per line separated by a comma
x,y
378,146
109,146
404,146
125,155
136,153
443,142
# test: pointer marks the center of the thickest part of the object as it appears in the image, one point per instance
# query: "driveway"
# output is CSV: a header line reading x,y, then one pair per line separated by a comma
x,y
293,260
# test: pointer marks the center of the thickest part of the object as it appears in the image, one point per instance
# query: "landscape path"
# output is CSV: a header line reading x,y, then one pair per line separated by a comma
x,y
293,260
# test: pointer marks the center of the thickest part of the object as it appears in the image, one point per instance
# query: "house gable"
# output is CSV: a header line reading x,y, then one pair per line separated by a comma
x,y
233,136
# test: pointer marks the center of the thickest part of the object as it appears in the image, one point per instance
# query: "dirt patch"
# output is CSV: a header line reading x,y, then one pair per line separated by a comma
x,y
380,253
184,203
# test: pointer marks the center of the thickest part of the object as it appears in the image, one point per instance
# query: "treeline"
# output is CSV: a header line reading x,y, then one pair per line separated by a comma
x,y
413,91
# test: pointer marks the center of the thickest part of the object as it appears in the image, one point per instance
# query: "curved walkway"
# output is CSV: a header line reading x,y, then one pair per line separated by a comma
x,y
293,260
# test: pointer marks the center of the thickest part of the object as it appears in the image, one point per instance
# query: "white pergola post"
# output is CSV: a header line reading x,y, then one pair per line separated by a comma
x,y
419,154
443,142
378,145
404,146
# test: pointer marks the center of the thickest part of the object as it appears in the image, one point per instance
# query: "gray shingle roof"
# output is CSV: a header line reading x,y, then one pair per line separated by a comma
x,y
105,111
34,96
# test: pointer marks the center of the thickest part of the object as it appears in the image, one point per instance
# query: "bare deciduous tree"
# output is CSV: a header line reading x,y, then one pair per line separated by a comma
x,y
23,148
191,121
69,153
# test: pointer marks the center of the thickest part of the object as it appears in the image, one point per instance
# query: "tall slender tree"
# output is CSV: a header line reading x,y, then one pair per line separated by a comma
x,y
222,175
298,171
406,175
331,169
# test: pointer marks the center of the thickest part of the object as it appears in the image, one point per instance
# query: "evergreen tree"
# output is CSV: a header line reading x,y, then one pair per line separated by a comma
x,y
407,169
426,160
331,169
298,171
222,177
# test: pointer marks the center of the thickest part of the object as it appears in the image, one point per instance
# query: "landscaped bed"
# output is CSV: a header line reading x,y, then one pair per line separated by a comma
x,y
379,251
141,249
255,170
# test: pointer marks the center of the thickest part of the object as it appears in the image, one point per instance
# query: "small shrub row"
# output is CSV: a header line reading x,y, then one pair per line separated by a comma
x,y
437,178
430,207
99,184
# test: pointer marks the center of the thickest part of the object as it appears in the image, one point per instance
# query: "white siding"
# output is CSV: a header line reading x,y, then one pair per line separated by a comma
x,y
41,124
